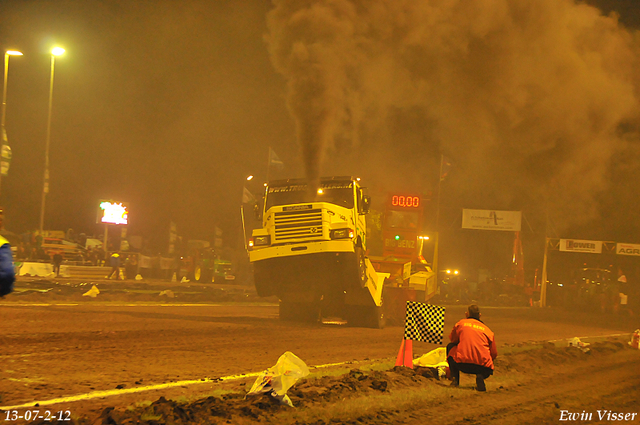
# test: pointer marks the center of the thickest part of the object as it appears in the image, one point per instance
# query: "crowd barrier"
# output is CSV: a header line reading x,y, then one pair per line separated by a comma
x,y
148,267
45,270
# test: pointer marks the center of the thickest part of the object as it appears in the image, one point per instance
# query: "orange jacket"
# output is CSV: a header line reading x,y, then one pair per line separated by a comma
x,y
476,343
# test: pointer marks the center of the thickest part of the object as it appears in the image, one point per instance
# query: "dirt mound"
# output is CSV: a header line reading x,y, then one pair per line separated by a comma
x,y
323,391
532,360
356,382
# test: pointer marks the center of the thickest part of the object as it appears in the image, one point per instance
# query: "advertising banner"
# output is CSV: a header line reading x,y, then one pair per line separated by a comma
x,y
492,220
144,262
575,245
628,249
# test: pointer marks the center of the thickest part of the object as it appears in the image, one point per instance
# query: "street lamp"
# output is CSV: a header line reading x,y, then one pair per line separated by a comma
x,y
56,51
422,238
5,142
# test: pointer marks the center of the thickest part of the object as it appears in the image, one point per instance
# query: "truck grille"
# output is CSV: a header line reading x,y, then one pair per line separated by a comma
x,y
305,224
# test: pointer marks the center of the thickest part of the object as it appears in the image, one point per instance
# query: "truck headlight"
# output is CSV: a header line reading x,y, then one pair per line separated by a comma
x,y
262,240
341,234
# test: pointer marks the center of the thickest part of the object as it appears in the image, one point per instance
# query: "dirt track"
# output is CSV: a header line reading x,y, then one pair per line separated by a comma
x,y
51,351
560,384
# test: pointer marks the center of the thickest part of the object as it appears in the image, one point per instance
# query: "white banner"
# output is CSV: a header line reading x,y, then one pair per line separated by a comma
x,y
628,249
492,220
575,245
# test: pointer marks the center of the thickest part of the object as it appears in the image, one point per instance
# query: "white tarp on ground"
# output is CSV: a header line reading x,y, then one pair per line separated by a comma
x,y
436,358
41,270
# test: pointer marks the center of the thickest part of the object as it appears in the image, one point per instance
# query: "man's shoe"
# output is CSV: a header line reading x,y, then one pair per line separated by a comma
x,y
454,383
480,386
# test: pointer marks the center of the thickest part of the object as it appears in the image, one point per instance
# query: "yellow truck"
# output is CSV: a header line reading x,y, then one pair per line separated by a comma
x,y
310,252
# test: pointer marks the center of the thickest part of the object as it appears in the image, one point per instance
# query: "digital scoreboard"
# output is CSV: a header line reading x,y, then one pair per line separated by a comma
x,y
405,201
110,212
401,226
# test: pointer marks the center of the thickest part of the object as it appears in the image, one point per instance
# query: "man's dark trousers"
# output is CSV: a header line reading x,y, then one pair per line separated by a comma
x,y
470,368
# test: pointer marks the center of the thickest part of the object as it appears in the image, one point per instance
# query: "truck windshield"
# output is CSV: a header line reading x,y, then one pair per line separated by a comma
x,y
338,193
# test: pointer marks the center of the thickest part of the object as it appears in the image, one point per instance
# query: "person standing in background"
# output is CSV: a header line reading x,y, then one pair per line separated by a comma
x,y
57,261
115,266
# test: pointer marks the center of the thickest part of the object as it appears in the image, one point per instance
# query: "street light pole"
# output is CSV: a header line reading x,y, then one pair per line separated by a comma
x,y
56,51
436,241
4,98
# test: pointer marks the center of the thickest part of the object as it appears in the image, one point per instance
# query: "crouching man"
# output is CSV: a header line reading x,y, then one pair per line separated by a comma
x,y
472,349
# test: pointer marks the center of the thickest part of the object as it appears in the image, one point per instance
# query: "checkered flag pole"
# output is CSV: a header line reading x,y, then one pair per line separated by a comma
x,y
424,322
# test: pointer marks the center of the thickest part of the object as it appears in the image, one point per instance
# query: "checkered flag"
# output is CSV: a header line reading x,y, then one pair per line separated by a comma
x,y
424,322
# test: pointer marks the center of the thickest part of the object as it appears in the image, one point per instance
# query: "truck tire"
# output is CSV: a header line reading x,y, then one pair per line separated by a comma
x,y
365,317
374,318
362,266
299,312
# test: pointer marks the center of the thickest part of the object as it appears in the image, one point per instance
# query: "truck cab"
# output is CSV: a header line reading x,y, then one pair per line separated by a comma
x,y
310,248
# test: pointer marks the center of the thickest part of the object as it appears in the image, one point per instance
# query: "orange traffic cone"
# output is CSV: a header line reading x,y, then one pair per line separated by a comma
x,y
405,355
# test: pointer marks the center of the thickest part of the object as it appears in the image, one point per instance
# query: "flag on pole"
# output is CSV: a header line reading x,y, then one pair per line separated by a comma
x,y
274,161
424,322
247,197
445,166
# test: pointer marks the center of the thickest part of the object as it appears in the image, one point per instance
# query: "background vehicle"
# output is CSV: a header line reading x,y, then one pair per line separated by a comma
x,y
209,268
202,264
410,276
595,288
403,241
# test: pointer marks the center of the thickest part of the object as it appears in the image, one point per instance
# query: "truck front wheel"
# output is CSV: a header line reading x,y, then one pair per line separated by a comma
x,y
299,311
365,316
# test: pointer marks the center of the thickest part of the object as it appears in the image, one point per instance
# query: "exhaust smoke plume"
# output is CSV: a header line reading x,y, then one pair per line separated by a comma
x,y
528,97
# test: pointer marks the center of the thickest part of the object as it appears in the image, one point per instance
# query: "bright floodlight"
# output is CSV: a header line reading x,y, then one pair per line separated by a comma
x,y
13,53
249,178
114,213
57,51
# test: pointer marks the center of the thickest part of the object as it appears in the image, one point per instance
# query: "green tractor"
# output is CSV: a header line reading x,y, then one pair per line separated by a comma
x,y
208,268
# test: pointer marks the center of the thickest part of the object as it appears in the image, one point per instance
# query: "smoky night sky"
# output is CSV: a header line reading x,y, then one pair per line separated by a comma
x,y
170,105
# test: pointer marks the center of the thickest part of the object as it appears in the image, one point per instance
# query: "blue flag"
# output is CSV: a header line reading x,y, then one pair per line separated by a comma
x,y
247,197
274,161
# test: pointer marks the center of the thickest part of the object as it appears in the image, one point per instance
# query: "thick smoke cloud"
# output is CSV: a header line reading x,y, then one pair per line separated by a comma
x,y
529,98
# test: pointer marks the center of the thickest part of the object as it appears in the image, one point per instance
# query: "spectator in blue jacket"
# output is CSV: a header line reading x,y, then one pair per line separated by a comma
x,y
115,266
7,272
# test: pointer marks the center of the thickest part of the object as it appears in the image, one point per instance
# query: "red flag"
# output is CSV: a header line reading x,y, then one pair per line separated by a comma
x,y
445,166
